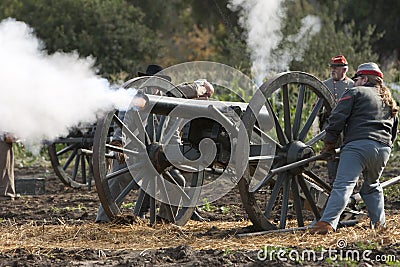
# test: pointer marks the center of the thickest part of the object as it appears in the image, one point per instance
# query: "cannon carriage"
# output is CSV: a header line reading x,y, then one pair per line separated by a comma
x,y
267,147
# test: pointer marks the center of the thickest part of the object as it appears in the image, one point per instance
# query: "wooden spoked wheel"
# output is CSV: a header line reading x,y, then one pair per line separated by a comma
x,y
71,157
289,196
139,182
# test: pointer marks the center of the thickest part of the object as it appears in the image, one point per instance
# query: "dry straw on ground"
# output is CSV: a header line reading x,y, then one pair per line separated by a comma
x,y
204,235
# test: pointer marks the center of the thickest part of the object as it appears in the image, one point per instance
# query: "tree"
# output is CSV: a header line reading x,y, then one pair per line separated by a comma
x,y
384,15
335,37
112,31
195,30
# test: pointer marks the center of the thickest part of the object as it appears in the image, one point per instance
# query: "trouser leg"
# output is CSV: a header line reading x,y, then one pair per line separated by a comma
x,y
371,190
350,167
7,186
332,166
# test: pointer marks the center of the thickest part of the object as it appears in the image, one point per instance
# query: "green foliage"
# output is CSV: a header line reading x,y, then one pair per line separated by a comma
x,y
128,205
109,30
392,191
126,35
224,210
334,38
384,14
232,49
392,263
370,245
24,157
207,206
228,251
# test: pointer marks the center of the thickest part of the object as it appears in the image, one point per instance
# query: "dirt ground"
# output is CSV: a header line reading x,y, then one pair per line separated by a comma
x,y
57,229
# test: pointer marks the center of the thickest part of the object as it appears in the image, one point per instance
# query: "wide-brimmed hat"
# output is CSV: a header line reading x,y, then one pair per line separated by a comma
x,y
338,61
153,70
369,68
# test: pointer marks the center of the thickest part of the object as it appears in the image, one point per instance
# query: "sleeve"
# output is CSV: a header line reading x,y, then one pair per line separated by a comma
x,y
329,84
190,90
117,135
394,129
338,118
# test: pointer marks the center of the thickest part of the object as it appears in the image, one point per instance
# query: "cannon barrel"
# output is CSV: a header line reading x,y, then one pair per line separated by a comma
x,y
192,108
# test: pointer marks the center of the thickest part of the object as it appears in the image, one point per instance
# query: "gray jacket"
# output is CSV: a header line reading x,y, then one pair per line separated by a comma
x,y
362,114
337,88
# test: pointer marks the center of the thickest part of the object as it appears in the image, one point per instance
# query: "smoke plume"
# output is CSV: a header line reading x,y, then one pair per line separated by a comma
x,y
42,96
262,21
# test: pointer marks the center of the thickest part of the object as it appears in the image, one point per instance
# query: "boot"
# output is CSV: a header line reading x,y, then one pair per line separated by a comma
x,y
321,228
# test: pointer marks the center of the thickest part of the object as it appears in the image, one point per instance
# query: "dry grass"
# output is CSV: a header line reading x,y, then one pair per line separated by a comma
x,y
205,235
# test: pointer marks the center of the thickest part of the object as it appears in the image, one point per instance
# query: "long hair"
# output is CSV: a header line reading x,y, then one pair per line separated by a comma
x,y
385,93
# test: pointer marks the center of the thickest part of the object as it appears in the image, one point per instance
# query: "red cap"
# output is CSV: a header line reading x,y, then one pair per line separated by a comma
x,y
338,61
369,68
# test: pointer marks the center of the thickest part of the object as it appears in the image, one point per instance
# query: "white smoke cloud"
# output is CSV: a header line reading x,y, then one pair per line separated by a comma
x,y
310,25
42,96
262,21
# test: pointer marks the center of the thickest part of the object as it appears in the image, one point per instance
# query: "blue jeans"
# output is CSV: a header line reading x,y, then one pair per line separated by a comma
x,y
362,156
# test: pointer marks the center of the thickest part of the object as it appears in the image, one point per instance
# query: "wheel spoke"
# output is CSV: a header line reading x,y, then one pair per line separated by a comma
x,y
150,129
83,168
164,120
316,138
70,159
128,132
117,173
166,208
76,167
122,171
308,196
266,137
90,171
285,201
279,132
286,113
262,183
181,192
299,111
274,195
122,150
66,149
132,184
153,213
144,198
261,157
297,203
310,119
318,180
141,199
139,123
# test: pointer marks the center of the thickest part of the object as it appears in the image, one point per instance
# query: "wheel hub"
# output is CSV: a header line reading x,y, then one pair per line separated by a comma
x,y
297,151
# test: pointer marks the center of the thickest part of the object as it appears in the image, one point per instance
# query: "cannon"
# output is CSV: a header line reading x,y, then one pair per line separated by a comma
x,y
267,148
